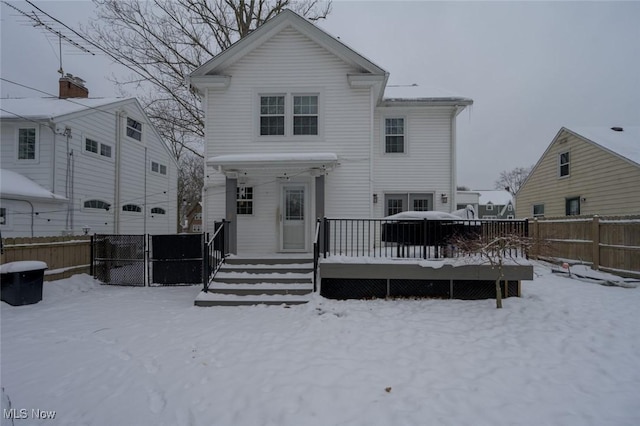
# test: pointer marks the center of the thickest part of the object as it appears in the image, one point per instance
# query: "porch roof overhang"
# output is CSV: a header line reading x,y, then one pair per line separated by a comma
x,y
236,165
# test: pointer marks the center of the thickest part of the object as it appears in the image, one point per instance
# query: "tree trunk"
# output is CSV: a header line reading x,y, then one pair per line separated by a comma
x,y
498,295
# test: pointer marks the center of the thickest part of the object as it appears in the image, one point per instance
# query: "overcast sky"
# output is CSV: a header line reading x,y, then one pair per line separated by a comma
x,y
530,67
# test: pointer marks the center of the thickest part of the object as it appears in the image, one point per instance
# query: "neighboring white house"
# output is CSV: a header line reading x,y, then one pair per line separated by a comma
x,y
496,204
299,127
99,164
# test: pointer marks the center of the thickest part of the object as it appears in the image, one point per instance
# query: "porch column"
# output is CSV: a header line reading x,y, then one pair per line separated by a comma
x,y
231,214
320,207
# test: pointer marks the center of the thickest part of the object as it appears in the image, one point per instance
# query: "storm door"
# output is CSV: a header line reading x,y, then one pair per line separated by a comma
x,y
294,227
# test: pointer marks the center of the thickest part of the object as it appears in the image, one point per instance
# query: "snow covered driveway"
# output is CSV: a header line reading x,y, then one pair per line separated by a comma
x,y
566,353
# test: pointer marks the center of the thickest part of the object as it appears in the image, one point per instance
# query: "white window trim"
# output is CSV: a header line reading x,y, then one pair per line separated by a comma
x,y
7,225
252,200
407,198
35,160
383,133
96,154
288,94
489,207
125,126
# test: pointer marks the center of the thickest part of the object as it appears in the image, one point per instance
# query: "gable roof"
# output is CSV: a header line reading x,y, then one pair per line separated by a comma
x,y
286,18
625,143
498,197
46,108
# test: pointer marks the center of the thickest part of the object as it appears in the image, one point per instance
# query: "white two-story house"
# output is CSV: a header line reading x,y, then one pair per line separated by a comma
x,y
299,126
73,165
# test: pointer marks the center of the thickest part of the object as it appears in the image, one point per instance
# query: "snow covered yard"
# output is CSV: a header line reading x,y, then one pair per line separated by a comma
x,y
566,353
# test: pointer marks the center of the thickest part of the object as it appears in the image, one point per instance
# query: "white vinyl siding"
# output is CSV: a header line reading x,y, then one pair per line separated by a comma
x,y
608,183
286,65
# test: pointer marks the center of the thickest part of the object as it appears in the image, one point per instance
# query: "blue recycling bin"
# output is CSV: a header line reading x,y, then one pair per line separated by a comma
x,y
21,282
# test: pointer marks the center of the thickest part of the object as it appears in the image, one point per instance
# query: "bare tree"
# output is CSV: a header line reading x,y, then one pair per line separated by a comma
x,y
162,41
190,181
512,180
497,251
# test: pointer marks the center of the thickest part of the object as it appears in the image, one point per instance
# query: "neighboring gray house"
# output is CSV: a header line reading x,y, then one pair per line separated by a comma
x,y
496,204
300,126
74,165
585,171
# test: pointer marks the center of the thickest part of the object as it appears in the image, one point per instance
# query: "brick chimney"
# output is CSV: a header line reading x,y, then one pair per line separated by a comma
x,y
72,87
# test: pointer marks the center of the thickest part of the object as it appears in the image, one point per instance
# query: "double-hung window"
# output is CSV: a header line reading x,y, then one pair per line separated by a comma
x,y
305,115
158,168
134,129
244,197
394,135
96,147
272,115
27,144
538,210
564,164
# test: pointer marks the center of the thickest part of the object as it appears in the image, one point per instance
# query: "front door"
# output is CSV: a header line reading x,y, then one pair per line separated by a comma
x,y
294,227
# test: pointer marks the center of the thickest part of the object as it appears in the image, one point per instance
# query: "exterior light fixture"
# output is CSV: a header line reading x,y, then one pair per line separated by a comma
x,y
375,198
444,198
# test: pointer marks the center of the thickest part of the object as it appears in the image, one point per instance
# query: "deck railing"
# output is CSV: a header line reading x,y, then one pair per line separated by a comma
x,y
409,238
215,250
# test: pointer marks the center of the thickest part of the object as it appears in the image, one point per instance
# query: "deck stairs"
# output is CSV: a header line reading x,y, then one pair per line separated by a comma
x,y
274,280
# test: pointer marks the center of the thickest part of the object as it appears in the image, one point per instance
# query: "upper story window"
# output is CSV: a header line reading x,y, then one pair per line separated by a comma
x,y
489,206
564,164
158,168
134,129
510,207
305,115
96,147
27,144
244,196
272,115
131,208
198,216
96,204
394,133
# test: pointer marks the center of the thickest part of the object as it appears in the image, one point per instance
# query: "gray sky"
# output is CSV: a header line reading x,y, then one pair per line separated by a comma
x,y
530,67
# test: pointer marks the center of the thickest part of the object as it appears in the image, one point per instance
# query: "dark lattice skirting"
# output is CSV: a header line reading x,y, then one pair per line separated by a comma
x,y
338,288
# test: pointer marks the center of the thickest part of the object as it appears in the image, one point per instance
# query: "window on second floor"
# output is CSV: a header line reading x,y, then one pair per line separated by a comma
x,y
564,164
134,129
158,168
394,135
272,115
489,206
27,144
305,115
96,147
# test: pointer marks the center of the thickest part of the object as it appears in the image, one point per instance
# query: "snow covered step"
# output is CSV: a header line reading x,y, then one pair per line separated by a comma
x,y
271,260
215,299
261,288
274,277
266,268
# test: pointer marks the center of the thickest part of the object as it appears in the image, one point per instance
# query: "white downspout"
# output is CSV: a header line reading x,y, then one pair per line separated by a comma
x,y
454,172
371,151
116,199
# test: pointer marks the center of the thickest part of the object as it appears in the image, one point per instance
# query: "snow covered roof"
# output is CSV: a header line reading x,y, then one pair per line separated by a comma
x,y
274,161
418,91
496,197
625,143
45,108
14,185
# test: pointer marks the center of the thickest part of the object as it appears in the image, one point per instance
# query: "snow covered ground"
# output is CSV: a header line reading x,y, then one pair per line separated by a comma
x,y
566,353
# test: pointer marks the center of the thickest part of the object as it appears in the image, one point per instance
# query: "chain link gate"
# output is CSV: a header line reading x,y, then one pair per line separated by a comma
x,y
119,259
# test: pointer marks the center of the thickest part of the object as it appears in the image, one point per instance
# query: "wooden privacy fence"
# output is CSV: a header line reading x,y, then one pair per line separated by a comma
x,y
608,243
64,256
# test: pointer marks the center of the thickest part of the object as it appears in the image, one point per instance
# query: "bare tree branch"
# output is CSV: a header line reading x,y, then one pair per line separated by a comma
x,y
512,180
